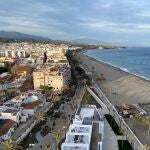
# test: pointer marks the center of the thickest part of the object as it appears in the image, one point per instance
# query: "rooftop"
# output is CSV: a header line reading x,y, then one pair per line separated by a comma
x,y
12,111
5,125
86,131
32,105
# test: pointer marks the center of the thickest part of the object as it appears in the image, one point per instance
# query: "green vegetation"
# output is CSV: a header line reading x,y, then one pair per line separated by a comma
x,y
113,124
77,73
30,138
45,130
46,90
88,99
124,145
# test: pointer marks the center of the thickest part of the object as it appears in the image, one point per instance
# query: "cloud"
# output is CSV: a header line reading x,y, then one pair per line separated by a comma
x,y
144,14
68,19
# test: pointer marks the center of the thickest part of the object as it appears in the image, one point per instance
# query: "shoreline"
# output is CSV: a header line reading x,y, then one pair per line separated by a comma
x,y
116,67
130,88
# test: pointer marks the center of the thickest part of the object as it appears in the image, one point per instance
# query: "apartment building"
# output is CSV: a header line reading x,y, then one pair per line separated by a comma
x,y
21,70
87,130
13,53
56,76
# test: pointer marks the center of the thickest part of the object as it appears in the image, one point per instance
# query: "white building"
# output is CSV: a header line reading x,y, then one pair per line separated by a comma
x,y
13,53
86,132
29,109
11,114
7,128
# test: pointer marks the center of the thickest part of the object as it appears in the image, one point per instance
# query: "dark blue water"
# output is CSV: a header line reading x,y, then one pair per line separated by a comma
x,y
134,60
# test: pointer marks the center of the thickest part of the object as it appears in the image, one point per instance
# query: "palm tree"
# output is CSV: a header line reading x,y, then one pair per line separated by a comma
x,y
145,147
40,116
9,144
47,90
138,116
48,147
57,136
146,121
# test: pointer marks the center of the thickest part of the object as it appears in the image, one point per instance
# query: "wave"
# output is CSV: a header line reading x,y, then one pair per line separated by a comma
x,y
120,68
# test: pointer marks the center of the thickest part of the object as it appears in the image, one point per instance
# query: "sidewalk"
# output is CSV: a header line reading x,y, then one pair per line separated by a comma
x,y
110,140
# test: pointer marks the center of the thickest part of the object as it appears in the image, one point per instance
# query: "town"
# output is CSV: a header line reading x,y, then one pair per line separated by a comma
x,y
50,100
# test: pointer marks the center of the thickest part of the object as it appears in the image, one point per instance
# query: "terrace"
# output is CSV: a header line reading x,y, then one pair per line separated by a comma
x,y
86,132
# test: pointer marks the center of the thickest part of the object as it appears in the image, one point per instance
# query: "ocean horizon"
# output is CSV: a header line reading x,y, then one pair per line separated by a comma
x,y
135,60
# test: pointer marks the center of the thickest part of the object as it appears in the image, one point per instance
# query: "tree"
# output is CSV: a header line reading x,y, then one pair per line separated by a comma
x,y
146,121
47,90
145,147
138,116
48,147
9,144
57,136
40,116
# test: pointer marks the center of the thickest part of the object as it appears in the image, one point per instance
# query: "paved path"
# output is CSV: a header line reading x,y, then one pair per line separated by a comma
x,y
60,123
110,139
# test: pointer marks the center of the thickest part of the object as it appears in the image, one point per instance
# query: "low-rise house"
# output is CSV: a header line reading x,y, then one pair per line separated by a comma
x,y
12,114
7,127
30,108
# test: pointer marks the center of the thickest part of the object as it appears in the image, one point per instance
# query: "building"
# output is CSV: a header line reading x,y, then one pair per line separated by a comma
x,y
21,70
56,55
56,76
7,127
12,114
29,109
6,60
86,132
13,53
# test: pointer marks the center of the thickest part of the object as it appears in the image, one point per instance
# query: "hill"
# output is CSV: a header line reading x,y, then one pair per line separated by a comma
x,y
87,41
21,36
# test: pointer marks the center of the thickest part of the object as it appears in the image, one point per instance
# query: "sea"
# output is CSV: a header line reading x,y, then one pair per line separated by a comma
x,y
135,60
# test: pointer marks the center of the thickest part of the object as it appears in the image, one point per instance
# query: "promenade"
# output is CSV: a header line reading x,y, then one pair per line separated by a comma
x,y
115,99
61,125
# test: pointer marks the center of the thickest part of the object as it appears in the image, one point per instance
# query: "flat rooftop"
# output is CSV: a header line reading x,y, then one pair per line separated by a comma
x,y
11,111
88,114
86,131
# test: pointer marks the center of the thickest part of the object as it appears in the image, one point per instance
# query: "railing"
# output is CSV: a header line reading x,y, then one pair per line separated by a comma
x,y
132,138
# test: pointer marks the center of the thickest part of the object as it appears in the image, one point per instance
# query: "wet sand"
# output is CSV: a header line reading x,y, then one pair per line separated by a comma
x,y
120,86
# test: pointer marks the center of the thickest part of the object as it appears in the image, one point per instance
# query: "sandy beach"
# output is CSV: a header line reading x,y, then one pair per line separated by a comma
x,y
119,86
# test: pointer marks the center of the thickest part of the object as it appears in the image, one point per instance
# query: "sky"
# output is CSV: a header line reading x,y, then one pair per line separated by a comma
x,y
115,21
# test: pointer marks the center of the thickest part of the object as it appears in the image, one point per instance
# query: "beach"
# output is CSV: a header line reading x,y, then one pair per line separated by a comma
x,y
120,87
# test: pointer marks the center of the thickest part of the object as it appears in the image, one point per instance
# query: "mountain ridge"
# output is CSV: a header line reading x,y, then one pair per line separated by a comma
x,y
21,36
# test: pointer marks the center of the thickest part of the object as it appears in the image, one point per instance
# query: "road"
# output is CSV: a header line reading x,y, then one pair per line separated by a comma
x,y
24,126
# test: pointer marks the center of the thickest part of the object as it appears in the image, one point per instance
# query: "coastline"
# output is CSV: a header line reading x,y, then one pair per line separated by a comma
x,y
130,88
119,68
114,66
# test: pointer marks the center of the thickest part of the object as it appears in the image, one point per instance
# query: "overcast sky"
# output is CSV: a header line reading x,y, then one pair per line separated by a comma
x,y
121,21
